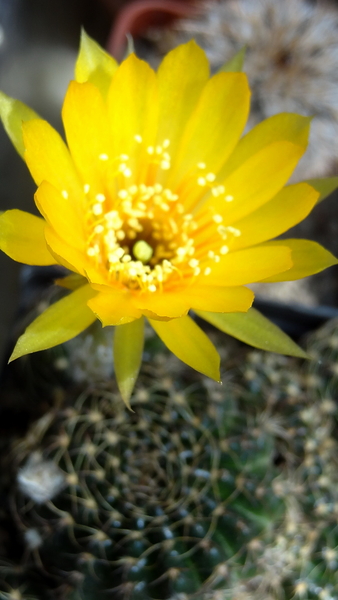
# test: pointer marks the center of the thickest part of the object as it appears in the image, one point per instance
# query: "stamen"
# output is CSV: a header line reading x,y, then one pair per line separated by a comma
x,y
65,194
158,214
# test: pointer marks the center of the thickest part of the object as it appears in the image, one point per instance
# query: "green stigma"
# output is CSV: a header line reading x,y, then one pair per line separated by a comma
x,y
142,251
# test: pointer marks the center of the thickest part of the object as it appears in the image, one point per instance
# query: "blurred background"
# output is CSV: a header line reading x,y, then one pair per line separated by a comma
x,y
38,46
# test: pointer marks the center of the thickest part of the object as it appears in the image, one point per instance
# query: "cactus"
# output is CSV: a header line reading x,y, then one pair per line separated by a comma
x,y
205,491
150,504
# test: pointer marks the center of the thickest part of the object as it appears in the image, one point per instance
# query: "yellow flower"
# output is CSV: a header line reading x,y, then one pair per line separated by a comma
x,y
158,206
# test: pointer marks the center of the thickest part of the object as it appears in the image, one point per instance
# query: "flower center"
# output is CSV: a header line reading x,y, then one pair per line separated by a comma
x,y
141,235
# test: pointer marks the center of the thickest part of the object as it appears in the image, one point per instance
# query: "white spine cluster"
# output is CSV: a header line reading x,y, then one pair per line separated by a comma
x,y
40,480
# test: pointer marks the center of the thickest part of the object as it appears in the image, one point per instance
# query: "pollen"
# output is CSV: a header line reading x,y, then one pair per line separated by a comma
x,y
103,156
100,197
141,236
97,209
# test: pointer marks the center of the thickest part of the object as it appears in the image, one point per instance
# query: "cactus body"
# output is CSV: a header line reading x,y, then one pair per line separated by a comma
x,y
206,492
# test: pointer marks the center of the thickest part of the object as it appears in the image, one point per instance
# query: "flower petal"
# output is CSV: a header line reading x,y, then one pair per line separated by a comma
x,y
163,304
182,76
13,113
236,63
114,308
190,344
61,214
215,126
248,266
48,159
177,303
290,206
22,238
94,64
308,258
60,322
325,186
86,125
71,282
282,127
133,107
128,349
256,181
220,299
65,254
254,329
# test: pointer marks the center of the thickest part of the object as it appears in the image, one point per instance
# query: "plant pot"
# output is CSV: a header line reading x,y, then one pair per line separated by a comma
x,y
137,16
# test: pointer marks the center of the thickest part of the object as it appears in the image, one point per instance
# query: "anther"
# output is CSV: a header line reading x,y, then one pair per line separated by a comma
x,y
97,209
103,156
64,194
210,177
